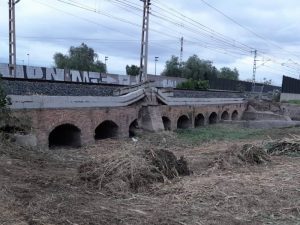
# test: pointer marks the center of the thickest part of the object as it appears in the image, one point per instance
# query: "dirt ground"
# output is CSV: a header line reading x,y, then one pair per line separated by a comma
x,y
42,187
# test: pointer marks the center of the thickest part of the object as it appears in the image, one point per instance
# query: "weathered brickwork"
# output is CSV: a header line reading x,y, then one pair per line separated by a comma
x,y
44,121
174,112
86,119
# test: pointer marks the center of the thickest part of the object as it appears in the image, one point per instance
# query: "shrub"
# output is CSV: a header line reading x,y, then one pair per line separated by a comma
x,y
3,98
194,85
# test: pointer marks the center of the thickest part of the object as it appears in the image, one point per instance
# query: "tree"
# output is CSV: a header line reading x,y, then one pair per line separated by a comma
x,y
194,68
194,84
80,58
228,73
267,82
132,70
198,69
4,101
172,68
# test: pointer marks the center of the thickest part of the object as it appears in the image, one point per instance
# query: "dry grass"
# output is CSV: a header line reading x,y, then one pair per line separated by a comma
x,y
44,187
287,146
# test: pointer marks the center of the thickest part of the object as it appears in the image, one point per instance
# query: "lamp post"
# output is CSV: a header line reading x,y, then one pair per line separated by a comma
x,y
155,59
105,59
27,59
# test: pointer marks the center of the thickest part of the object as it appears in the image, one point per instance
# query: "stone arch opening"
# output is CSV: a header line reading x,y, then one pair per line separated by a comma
x,y
107,129
235,115
134,126
166,122
225,116
213,118
199,120
65,135
183,122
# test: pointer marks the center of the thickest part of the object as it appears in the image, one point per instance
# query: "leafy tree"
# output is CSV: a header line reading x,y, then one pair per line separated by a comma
x,y
132,70
267,82
173,68
4,101
228,73
194,68
198,69
80,58
194,84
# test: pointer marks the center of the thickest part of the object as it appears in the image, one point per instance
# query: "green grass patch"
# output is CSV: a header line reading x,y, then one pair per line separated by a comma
x,y
218,132
297,102
233,132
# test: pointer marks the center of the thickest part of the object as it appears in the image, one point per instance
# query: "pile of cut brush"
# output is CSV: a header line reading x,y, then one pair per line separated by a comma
x,y
287,146
132,170
248,154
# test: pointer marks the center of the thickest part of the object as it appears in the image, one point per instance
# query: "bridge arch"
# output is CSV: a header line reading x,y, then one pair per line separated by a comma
x,y
65,135
199,120
225,116
166,122
133,128
235,115
107,129
213,118
183,122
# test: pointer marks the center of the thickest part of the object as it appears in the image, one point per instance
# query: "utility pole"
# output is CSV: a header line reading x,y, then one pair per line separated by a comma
x,y
155,59
144,42
181,50
254,70
12,37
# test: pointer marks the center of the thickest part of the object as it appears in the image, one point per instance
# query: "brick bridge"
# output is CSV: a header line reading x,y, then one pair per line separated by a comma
x,y
82,120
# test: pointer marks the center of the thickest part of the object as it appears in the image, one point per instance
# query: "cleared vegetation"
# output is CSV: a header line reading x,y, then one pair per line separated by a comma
x,y
239,176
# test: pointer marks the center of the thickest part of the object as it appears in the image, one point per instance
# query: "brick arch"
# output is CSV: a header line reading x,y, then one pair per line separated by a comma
x,y
213,118
184,122
51,127
106,129
199,120
167,122
65,135
225,115
235,115
133,127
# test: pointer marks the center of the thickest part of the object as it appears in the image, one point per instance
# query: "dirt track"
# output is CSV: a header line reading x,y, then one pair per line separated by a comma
x,y
43,188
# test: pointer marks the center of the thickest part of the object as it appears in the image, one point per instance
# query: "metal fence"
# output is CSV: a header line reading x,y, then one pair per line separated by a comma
x,y
290,85
237,85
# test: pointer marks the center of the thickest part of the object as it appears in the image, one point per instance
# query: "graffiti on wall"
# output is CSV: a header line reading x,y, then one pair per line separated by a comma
x,y
55,74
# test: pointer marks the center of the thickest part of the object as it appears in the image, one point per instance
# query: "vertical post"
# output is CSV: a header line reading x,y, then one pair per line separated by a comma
x,y
105,59
181,50
28,59
155,59
254,70
144,41
12,39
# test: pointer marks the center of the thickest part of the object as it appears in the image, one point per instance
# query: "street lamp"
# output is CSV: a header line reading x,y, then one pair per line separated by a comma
x,y
27,59
105,59
156,59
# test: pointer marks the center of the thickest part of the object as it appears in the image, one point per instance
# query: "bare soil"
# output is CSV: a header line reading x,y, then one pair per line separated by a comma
x,y
43,187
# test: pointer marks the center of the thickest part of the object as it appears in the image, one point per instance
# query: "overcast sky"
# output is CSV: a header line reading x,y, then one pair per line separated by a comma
x,y
113,29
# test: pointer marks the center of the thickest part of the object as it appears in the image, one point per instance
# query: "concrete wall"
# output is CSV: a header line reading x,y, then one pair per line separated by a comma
x,y
54,74
289,96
